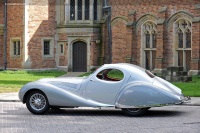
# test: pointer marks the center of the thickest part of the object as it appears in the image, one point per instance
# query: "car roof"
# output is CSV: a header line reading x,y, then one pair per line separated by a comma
x,y
127,66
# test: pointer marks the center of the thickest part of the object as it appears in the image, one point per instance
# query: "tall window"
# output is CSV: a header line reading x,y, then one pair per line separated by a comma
x,y
95,9
46,47
80,9
183,48
61,49
79,13
87,9
72,9
16,47
149,46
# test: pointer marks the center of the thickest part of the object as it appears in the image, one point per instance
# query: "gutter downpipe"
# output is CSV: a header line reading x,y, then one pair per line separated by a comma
x,y
5,34
107,9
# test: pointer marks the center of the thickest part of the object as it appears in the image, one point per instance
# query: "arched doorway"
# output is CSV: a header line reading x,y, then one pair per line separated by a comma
x,y
79,57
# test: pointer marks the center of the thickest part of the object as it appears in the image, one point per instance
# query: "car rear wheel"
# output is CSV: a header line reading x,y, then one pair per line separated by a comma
x,y
134,111
37,102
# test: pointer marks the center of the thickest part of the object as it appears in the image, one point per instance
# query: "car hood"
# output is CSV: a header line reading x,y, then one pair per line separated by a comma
x,y
67,83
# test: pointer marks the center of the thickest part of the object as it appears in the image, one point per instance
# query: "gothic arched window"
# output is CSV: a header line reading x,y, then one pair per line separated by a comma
x,y
149,46
183,48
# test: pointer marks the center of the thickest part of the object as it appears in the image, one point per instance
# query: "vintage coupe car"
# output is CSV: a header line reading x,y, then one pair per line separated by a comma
x,y
135,90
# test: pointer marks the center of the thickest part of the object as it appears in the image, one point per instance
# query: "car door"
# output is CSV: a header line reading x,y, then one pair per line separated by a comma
x,y
105,86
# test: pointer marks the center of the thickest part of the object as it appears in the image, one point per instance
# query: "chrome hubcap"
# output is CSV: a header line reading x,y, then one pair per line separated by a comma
x,y
37,101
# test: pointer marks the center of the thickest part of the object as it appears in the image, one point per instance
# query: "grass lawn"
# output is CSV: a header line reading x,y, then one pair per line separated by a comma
x,y
12,81
190,88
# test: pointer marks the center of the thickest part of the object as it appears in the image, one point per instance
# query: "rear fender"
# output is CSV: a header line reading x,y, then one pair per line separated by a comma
x,y
144,95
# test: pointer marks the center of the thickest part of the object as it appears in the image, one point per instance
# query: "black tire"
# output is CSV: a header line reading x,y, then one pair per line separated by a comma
x,y
37,102
55,108
134,111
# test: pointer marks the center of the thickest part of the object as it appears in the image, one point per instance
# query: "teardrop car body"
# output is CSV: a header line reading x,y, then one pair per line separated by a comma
x,y
134,91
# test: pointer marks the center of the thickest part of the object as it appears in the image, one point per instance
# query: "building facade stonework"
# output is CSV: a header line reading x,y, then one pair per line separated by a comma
x,y
74,34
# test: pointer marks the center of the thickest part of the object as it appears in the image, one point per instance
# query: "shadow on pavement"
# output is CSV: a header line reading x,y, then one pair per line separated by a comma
x,y
117,112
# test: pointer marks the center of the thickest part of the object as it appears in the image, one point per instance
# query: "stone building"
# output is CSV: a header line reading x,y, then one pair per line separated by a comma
x,y
79,35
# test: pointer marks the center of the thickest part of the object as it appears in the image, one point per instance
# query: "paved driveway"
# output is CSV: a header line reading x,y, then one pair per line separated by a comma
x,y
14,117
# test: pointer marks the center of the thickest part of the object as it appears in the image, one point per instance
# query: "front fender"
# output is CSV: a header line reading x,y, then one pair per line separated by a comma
x,y
58,96
145,95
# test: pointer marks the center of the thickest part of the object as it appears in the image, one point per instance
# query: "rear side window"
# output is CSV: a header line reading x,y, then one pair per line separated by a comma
x,y
110,75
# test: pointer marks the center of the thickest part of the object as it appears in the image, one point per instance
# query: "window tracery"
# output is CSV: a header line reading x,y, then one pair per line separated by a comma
x,y
183,49
149,30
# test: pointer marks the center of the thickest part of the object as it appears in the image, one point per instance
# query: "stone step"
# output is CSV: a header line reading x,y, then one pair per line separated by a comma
x,y
182,73
175,68
179,73
187,78
178,78
174,78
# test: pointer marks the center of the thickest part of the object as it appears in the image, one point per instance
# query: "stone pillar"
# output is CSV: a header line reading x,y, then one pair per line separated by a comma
x,y
130,36
67,10
159,61
159,47
92,45
26,58
91,11
62,11
76,9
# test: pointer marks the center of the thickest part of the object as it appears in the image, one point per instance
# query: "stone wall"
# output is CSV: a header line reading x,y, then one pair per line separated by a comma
x,y
121,47
37,21
1,52
41,25
164,13
1,34
15,29
1,12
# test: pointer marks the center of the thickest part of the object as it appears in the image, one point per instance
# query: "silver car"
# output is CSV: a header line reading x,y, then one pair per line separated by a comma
x,y
124,86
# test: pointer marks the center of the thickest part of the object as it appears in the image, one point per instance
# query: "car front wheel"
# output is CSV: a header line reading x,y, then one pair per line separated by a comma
x,y
134,111
37,102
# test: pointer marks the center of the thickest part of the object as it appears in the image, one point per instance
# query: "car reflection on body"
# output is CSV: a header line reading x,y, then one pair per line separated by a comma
x,y
135,90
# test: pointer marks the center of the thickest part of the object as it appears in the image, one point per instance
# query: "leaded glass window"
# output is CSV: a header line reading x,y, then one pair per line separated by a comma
x,y
72,9
87,9
147,62
183,49
95,9
153,59
188,59
180,39
154,40
46,47
188,39
16,47
79,13
180,57
61,49
80,9
147,40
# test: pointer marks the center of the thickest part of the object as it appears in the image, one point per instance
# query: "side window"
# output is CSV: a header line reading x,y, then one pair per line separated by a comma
x,y
15,47
110,75
47,48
